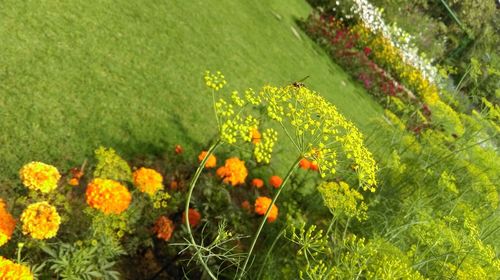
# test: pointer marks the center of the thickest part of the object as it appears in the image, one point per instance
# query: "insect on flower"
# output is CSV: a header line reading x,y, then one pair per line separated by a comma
x,y
299,83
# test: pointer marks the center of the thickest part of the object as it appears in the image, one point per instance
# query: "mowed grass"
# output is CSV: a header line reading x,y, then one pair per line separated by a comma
x,y
128,74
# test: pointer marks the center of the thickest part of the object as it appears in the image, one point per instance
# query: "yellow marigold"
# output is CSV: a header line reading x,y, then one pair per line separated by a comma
x,y
262,204
164,227
7,224
39,176
10,270
233,172
148,180
211,162
108,196
40,220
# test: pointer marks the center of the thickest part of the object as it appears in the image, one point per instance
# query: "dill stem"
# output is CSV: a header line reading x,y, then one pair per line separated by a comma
x,y
192,184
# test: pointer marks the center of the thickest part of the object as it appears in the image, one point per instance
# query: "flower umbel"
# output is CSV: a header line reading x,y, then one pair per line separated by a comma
x,y
40,220
108,196
39,176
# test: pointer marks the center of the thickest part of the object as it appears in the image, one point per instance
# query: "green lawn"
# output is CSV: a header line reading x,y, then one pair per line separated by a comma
x,y
126,74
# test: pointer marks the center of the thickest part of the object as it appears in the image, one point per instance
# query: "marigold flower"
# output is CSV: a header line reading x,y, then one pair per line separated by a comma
x,y
174,185
10,270
245,205
305,164
258,183
211,162
39,176
256,136
76,175
164,227
178,149
40,220
147,180
314,166
275,181
233,172
108,196
194,217
7,224
262,204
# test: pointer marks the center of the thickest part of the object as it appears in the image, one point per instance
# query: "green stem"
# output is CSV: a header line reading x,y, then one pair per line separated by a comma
x,y
188,200
269,252
263,222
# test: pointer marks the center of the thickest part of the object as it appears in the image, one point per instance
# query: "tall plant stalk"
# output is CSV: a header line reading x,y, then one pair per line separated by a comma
x,y
192,184
262,223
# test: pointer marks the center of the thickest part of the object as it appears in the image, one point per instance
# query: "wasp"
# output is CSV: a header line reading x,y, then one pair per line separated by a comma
x,y
299,83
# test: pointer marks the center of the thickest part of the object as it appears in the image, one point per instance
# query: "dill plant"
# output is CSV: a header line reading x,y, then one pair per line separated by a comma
x,y
313,126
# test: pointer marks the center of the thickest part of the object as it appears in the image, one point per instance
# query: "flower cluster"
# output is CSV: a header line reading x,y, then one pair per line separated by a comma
x,y
262,203
211,161
315,128
233,172
215,81
257,183
275,181
263,149
39,176
40,220
13,271
7,224
194,217
147,180
163,228
108,196
340,198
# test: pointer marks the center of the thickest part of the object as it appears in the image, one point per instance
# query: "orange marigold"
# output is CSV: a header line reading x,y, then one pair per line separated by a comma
x,y
233,172
7,224
262,204
256,136
211,162
147,180
178,149
314,166
164,227
245,205
258,183
194,217
76,175
10,270
39,176
40,220
305,164
108,196
275,181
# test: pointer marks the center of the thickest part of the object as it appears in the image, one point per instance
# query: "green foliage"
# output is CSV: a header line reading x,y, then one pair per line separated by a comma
x,y
92,259
111,166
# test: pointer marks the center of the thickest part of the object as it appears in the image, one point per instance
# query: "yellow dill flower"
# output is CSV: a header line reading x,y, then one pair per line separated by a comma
x,y
40,220
10,270
147,180
39,176
316,129
108,196
342,199
214,81
264,148
233,172
7,224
